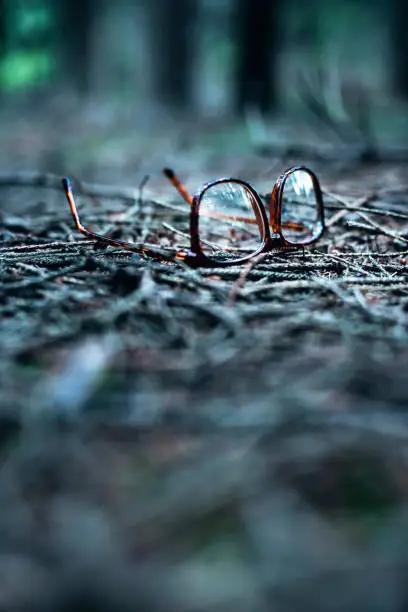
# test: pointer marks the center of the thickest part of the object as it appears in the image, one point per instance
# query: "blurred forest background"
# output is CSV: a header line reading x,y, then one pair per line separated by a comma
x,y
101,76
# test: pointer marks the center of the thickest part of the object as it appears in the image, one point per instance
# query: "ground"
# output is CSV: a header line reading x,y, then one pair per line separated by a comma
x,y
204,439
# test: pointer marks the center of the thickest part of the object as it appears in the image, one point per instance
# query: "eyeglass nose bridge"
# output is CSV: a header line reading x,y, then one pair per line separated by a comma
x,y
273,242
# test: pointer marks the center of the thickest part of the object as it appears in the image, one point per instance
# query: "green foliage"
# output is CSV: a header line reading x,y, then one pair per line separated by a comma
x,y
21,69
33,20
28,59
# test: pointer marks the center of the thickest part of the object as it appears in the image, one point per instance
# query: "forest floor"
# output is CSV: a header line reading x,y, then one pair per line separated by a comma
x,y
227,439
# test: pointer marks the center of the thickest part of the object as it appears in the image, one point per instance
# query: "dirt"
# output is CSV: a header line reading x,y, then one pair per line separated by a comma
x,y
209,439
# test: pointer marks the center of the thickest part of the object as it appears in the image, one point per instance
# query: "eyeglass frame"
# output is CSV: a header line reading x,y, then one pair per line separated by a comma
x,y
195,257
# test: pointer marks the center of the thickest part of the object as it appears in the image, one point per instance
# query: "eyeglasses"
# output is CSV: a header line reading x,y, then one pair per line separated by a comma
x,y
229,224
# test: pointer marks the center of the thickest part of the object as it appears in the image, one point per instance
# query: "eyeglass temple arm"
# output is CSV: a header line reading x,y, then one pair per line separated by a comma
x,y
66,185
171,175
155,254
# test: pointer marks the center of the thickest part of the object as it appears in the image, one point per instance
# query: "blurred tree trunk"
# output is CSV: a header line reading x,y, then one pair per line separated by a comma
x,y
3,27
75,18
399,41
117,63
173,41
257,31
3,35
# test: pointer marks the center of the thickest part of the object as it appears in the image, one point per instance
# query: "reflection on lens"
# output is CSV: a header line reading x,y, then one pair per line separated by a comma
x,y
228,225
300,213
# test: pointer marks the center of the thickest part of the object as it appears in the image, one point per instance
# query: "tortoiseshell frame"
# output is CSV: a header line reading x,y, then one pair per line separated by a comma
x,y
272,238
